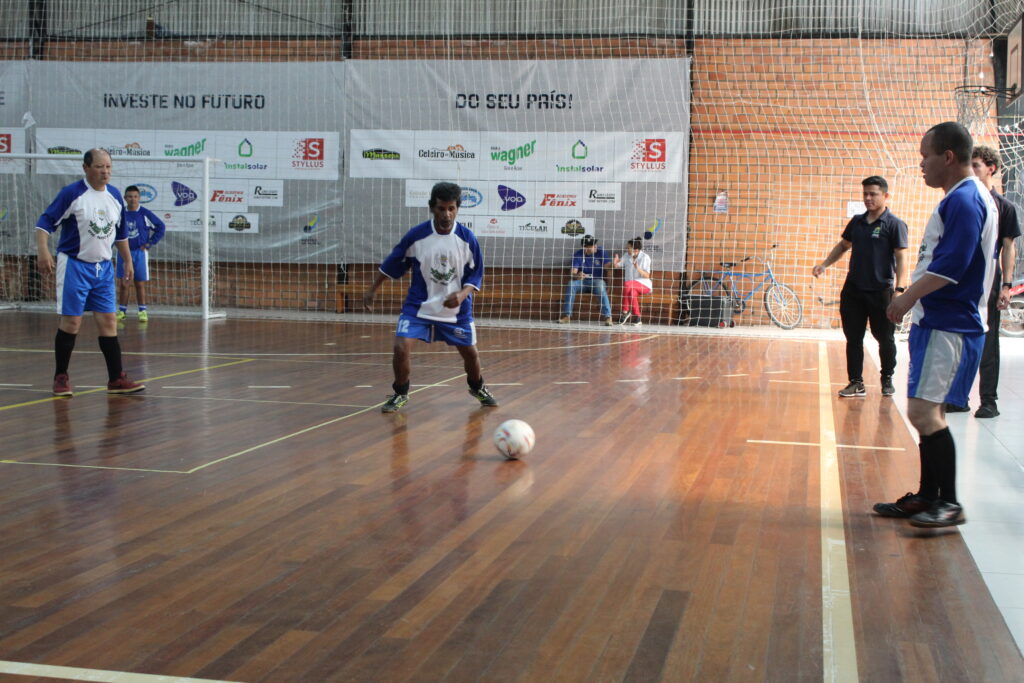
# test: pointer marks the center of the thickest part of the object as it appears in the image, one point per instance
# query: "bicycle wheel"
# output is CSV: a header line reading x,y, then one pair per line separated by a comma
x,y
783,306
904,325
1011,321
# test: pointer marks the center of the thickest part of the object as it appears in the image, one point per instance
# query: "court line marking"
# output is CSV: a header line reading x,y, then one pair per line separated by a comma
x,y
49,399
738,374
312,428
572,382
75,673
839,645
89,467
15,385
631,380
181,387
694,377
270,386
816,445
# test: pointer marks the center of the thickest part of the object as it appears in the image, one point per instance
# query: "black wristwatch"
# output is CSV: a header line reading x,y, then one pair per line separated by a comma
x,y
1007,285
900,290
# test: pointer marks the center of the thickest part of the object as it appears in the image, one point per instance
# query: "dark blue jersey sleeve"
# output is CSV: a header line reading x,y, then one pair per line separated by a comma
x,y
50,219
473,273
157,233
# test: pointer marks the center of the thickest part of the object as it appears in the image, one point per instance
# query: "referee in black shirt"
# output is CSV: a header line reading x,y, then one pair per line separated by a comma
x,y
878,260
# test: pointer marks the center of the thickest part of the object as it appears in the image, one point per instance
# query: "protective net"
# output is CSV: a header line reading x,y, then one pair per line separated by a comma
x,y
726,131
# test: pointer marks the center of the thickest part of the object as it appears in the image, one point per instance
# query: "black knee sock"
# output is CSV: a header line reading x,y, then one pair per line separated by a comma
x,y
111,349
929,482
63,345
477,385
402,389
940,449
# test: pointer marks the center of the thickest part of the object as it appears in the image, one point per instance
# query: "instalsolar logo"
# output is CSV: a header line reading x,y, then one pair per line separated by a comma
x,y
511,199
183,194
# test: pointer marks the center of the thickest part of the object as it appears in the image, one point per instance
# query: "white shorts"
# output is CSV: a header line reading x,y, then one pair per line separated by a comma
x,y
943,364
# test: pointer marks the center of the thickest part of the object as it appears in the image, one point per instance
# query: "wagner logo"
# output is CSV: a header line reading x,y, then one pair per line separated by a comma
x,y
228,197
471,197
239,223
195,149
509,157
561,200
381,155
510,198
6,143
649,154
572,227
147,193
183,194
308,153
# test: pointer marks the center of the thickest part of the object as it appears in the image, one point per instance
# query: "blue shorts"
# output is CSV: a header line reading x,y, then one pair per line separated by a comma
x,y
140,263
429,331
943,364
84,286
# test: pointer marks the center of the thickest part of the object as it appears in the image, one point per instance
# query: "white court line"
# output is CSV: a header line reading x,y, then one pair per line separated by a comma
x,y
269,386
182,387
775,372
738,374
686,378
15,385
364,386
838,643
572,382
631,380
506,384
76,674
803,381
816,445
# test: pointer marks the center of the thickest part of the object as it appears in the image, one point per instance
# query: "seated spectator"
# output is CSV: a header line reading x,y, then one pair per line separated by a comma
x,y
587,276
636,280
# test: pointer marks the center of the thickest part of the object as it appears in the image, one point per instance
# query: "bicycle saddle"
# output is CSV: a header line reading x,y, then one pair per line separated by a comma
x,y
726,265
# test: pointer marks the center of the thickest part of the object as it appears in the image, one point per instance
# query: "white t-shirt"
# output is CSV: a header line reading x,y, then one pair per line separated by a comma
x,y
629,270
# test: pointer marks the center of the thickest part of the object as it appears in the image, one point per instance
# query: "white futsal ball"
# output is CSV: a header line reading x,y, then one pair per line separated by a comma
x,y
514,438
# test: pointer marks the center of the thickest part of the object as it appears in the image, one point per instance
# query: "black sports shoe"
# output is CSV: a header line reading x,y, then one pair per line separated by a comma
x,y
623,318
939,514
950,408
394,403
888,388
853,390
987,410
485,397
910,504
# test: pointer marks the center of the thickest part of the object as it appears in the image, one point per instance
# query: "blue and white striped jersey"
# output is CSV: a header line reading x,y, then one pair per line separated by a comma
x,y
89,221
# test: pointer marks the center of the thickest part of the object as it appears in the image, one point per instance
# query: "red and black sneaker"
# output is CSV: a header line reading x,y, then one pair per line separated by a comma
x,y
907,506
123,385
62,385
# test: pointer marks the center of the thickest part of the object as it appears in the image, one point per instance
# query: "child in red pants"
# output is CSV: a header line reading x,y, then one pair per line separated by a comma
x,y
636,277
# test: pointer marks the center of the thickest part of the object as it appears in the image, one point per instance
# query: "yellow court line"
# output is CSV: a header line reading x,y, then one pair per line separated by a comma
x,y
816,445
839,646
313,428
74,673
98,389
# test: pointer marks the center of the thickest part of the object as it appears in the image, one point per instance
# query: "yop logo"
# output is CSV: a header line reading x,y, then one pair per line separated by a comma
x,y
471,197
6,144
183,194
147,193
511,199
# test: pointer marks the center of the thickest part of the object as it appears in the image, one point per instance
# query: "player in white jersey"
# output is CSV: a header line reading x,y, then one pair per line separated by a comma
x,y
949,294
89,214
447,267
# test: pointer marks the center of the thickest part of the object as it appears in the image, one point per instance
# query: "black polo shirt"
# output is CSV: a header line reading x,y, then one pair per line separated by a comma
x,y
873,257
1009,226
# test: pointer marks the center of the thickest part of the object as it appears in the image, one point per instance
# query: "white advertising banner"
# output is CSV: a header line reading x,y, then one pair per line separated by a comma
x,y
12,140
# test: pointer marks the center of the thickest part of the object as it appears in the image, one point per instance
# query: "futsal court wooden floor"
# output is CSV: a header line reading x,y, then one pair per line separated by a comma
x,y
696,508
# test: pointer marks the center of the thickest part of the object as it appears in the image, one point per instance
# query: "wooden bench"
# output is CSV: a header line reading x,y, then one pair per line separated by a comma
x,y
519,293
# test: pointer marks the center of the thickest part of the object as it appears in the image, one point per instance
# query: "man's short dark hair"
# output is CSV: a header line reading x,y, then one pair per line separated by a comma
x,y
636,243
954,137
589,240
988,156
876,180
87,159
132,188
446,192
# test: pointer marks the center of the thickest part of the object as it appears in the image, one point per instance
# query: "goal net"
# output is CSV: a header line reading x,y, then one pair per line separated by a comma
x,y
712,134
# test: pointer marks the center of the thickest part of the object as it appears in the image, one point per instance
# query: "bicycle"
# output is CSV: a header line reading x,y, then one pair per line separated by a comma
x,y
1011,320
781,303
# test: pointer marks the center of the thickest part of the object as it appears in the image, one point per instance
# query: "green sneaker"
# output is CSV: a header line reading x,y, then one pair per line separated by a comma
x,y
121,315
394,403
485,397
143,316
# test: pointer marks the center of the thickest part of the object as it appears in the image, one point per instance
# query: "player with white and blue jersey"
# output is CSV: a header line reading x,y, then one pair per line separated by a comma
x,y
447,267
144,230
89,214
949,294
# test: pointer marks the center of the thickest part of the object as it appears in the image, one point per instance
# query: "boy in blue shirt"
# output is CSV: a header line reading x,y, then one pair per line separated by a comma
x,y
587,276
447,266
144,231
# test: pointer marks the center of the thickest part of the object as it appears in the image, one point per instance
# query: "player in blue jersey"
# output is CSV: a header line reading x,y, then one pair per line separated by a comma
x,y
144,230
89,214
447,267
949,293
